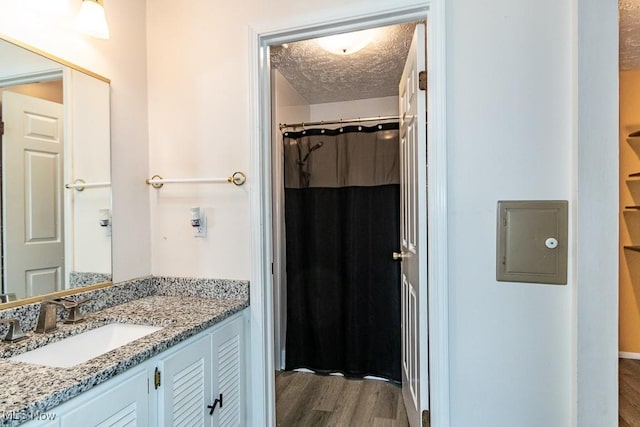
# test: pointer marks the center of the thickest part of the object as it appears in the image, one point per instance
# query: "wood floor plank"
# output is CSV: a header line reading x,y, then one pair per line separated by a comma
x,y
387,401
382,422
629,367
303,407
346,405
365,406
629,392
633,384
283,379
623,423
315,418
287,401
401,413
316,400
329,393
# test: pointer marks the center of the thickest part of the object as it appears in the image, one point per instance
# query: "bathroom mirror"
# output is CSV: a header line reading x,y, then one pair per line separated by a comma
x,y
56,181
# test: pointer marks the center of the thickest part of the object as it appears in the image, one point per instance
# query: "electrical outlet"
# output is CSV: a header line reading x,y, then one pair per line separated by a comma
x,y
201,231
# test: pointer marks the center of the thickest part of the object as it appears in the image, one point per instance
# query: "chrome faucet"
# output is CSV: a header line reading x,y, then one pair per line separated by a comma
x,y
48,316
15,331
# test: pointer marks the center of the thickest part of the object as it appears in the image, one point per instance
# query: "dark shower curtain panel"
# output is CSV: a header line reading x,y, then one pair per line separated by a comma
x,y
342,225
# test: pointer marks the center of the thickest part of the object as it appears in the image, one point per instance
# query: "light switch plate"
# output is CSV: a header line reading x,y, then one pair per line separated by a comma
x,y
532,241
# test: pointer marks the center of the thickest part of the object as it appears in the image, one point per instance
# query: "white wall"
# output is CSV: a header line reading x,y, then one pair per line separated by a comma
x,y
122,59
288,105
88,152
510,104
509,125
385,106
198,121
510,137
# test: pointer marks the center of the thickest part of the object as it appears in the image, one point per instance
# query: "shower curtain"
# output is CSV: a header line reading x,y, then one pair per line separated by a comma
x,y
342,223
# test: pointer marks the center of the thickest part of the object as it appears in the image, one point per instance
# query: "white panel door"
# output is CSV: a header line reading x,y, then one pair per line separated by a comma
x,y
413,233
32,183
186,385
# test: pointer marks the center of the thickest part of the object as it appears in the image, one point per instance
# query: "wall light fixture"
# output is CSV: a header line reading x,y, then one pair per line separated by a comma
x,y
92,20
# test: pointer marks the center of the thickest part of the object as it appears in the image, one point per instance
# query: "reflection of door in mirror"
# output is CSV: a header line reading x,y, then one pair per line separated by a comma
x,y
56,234
32,165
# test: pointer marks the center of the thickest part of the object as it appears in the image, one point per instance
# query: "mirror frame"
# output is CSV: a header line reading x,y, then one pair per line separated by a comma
x,y
65,292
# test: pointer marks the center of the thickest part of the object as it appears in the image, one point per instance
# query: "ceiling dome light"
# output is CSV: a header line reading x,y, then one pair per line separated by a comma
x,y
347,43
92,20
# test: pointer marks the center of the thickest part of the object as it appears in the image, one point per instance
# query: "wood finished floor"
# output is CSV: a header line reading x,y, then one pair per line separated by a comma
x,y
307,400
629,395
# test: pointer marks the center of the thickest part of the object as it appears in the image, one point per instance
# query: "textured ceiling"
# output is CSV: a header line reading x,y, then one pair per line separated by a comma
x,y
320,76
629,34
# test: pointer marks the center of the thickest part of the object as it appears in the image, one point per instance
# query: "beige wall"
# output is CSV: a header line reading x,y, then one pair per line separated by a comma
x,y
629,219
51,91
123,60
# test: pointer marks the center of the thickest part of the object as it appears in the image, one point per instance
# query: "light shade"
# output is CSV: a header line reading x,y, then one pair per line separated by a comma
x,y
347,43
92,20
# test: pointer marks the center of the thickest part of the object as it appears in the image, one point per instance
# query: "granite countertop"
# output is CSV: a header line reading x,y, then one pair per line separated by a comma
x,y
28,390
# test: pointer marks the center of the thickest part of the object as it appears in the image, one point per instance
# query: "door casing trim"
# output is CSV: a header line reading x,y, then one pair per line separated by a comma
x,y
261,363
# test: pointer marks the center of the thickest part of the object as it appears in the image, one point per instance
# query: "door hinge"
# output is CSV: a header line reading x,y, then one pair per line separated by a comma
x,y
156,378
422,80
426,419
271,268
1,128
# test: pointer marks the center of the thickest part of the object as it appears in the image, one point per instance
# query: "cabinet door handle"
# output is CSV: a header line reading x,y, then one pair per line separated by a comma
x,y
215,403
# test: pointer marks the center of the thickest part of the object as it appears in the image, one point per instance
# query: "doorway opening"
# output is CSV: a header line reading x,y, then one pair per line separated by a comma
x,y
340,182
262,323
629,211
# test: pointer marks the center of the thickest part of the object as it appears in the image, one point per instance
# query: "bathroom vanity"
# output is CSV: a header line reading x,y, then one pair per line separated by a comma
x,y
153,351
191,370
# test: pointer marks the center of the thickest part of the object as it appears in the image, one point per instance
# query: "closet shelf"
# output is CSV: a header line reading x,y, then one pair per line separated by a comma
x,y
633,248
635,208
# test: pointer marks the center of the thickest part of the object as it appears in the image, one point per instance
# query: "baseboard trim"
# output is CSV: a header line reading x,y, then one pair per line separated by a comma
x,y
628,355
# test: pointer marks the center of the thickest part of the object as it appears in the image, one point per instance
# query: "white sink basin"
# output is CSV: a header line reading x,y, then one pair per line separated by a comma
x,y
85,346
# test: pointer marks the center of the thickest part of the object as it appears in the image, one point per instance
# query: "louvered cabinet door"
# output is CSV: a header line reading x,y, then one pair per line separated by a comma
x,y
185,385
228,374
124,404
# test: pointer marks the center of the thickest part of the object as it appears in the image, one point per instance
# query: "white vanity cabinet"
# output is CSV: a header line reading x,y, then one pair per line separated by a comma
x,y
178,387
183,381
124,403
229,375
203,383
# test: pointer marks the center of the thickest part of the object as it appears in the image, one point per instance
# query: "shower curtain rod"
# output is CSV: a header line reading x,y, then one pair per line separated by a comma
x,y
338,122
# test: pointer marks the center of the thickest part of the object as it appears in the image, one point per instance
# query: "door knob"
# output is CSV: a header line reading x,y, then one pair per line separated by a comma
x,y
400,255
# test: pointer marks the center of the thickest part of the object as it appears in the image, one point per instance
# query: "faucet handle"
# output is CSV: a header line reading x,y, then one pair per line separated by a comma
x,y
8,297
15,331
74,315
70,302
